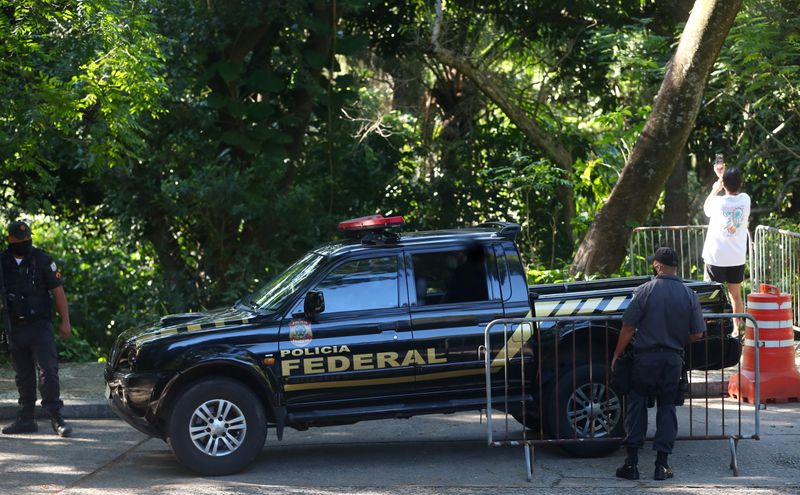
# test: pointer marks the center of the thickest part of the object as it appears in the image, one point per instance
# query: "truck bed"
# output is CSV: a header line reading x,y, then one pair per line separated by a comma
x,y
609,296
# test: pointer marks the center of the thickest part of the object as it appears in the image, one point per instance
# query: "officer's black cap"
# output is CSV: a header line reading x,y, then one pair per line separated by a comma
x,y
19,231
665,255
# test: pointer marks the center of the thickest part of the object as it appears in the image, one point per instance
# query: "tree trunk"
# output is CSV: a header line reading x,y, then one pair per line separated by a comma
x,y
676,194
662,141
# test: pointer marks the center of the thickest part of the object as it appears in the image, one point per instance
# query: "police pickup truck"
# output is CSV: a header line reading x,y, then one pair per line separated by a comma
x,y
376,325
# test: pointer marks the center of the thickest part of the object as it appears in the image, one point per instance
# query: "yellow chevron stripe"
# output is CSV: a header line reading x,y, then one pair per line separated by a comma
x,y
519,336
614,304
568,307
219,323
193,328
544,308
590,305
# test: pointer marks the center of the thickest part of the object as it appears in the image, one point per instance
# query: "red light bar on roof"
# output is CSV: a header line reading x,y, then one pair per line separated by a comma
x,y
372,222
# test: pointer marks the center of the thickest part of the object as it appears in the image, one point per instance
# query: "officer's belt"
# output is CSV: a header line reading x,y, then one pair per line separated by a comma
x,y
657,348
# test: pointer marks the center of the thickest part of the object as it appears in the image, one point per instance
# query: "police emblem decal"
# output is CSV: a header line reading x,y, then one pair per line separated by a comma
x,y
300,332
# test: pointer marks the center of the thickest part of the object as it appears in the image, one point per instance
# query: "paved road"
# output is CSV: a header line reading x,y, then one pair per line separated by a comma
x,y
427,455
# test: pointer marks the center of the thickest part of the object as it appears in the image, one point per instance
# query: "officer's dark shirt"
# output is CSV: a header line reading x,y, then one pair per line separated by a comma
x,y
37,274
664,312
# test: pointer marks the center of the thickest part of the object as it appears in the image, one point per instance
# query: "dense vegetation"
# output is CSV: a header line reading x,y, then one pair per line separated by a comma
x,y
175,155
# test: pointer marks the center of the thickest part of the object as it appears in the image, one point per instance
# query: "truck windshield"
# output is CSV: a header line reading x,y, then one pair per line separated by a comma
x,y
274,294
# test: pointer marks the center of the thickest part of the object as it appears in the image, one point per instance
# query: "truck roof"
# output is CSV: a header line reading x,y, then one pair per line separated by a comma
x,y
430,237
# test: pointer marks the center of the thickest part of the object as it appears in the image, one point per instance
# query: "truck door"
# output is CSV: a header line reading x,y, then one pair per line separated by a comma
x,y
358,346
454,293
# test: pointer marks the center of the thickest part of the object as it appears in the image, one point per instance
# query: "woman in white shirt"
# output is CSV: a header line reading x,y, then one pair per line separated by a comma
x,y
725,248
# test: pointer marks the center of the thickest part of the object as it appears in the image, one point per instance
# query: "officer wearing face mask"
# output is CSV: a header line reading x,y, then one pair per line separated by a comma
x,y
31,279
664,315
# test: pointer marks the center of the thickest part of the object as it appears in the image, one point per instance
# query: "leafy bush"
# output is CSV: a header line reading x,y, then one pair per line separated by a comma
x,y
76,350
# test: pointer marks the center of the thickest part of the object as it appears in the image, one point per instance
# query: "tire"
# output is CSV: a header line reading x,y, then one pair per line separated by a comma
x,y
589,409
211,446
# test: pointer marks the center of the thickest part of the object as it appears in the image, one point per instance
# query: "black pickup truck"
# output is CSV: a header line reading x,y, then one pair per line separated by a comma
x,y
377,325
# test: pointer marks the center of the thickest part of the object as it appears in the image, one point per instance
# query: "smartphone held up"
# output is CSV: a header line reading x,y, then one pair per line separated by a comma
x,y
719,165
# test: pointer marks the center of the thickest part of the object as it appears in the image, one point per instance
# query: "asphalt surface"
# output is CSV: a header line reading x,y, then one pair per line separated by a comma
x,y
443,454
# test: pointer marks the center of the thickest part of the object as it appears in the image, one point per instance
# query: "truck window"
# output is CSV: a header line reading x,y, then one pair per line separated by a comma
x,y
359,285
450,276
276,292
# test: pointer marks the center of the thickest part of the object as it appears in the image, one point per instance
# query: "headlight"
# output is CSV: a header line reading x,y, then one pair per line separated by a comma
x,y
127,358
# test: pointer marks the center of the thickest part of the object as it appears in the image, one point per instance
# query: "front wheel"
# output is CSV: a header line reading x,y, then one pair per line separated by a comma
x,y
585,408
217,427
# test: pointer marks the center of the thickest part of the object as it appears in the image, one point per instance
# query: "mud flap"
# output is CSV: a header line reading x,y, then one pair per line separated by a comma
x,y
280,420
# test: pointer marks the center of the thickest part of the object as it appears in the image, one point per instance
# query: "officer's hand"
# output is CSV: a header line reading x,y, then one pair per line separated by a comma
x,y
64,330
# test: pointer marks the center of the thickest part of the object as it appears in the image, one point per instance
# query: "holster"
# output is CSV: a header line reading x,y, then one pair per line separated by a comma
x,y
683,388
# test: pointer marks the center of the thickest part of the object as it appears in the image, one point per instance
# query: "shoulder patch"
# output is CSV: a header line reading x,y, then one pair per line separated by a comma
x,y
53,266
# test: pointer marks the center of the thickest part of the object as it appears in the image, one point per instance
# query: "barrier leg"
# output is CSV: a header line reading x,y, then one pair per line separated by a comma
x,y
734,443
528,462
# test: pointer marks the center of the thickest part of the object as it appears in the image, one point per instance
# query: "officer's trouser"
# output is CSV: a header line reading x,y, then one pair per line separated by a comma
x,y
32,345
655,374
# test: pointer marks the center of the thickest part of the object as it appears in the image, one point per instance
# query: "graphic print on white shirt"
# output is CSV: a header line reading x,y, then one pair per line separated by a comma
x,y
733,219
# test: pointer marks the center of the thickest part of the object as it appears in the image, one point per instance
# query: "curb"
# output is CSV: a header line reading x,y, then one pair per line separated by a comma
x,y
73,409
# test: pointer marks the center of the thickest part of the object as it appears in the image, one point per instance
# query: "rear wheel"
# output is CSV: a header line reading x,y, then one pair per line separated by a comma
x,y
585,408
217,426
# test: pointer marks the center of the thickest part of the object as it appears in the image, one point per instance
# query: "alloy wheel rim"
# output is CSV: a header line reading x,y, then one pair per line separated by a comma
x,y
593,410
217,427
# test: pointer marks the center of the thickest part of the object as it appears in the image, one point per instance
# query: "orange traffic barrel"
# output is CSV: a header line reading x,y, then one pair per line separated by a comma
x,y
778,376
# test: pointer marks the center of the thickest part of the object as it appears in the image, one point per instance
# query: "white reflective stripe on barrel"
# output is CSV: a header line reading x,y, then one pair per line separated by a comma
x,y
771,324
762,305
786,305
770,343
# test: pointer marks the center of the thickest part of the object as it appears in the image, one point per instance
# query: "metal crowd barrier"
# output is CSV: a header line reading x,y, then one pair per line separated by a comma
x,y
774,260
774,256
521,366
687,240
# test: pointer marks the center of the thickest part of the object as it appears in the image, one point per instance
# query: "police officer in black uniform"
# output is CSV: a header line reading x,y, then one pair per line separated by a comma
x,y
665,315
31,277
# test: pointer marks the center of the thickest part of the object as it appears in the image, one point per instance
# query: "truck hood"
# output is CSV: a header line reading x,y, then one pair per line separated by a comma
x,y
169,325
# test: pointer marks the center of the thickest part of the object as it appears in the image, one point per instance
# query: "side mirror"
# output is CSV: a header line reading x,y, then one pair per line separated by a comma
x,y
314,304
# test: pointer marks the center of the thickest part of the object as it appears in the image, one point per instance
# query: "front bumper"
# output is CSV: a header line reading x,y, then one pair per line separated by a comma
x,y
134,396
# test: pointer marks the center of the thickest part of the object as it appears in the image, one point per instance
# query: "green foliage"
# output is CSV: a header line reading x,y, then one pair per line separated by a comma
x,y
76,76
77,350
545,276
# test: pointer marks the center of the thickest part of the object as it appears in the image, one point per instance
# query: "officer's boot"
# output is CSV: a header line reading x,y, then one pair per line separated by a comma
x,y
59,425
663,471
23,424
630,470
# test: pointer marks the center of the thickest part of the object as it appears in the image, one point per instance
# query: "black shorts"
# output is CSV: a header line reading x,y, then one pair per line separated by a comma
x,y
729,274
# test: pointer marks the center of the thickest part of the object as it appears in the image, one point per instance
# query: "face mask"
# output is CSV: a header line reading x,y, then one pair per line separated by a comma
x,y
21,249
